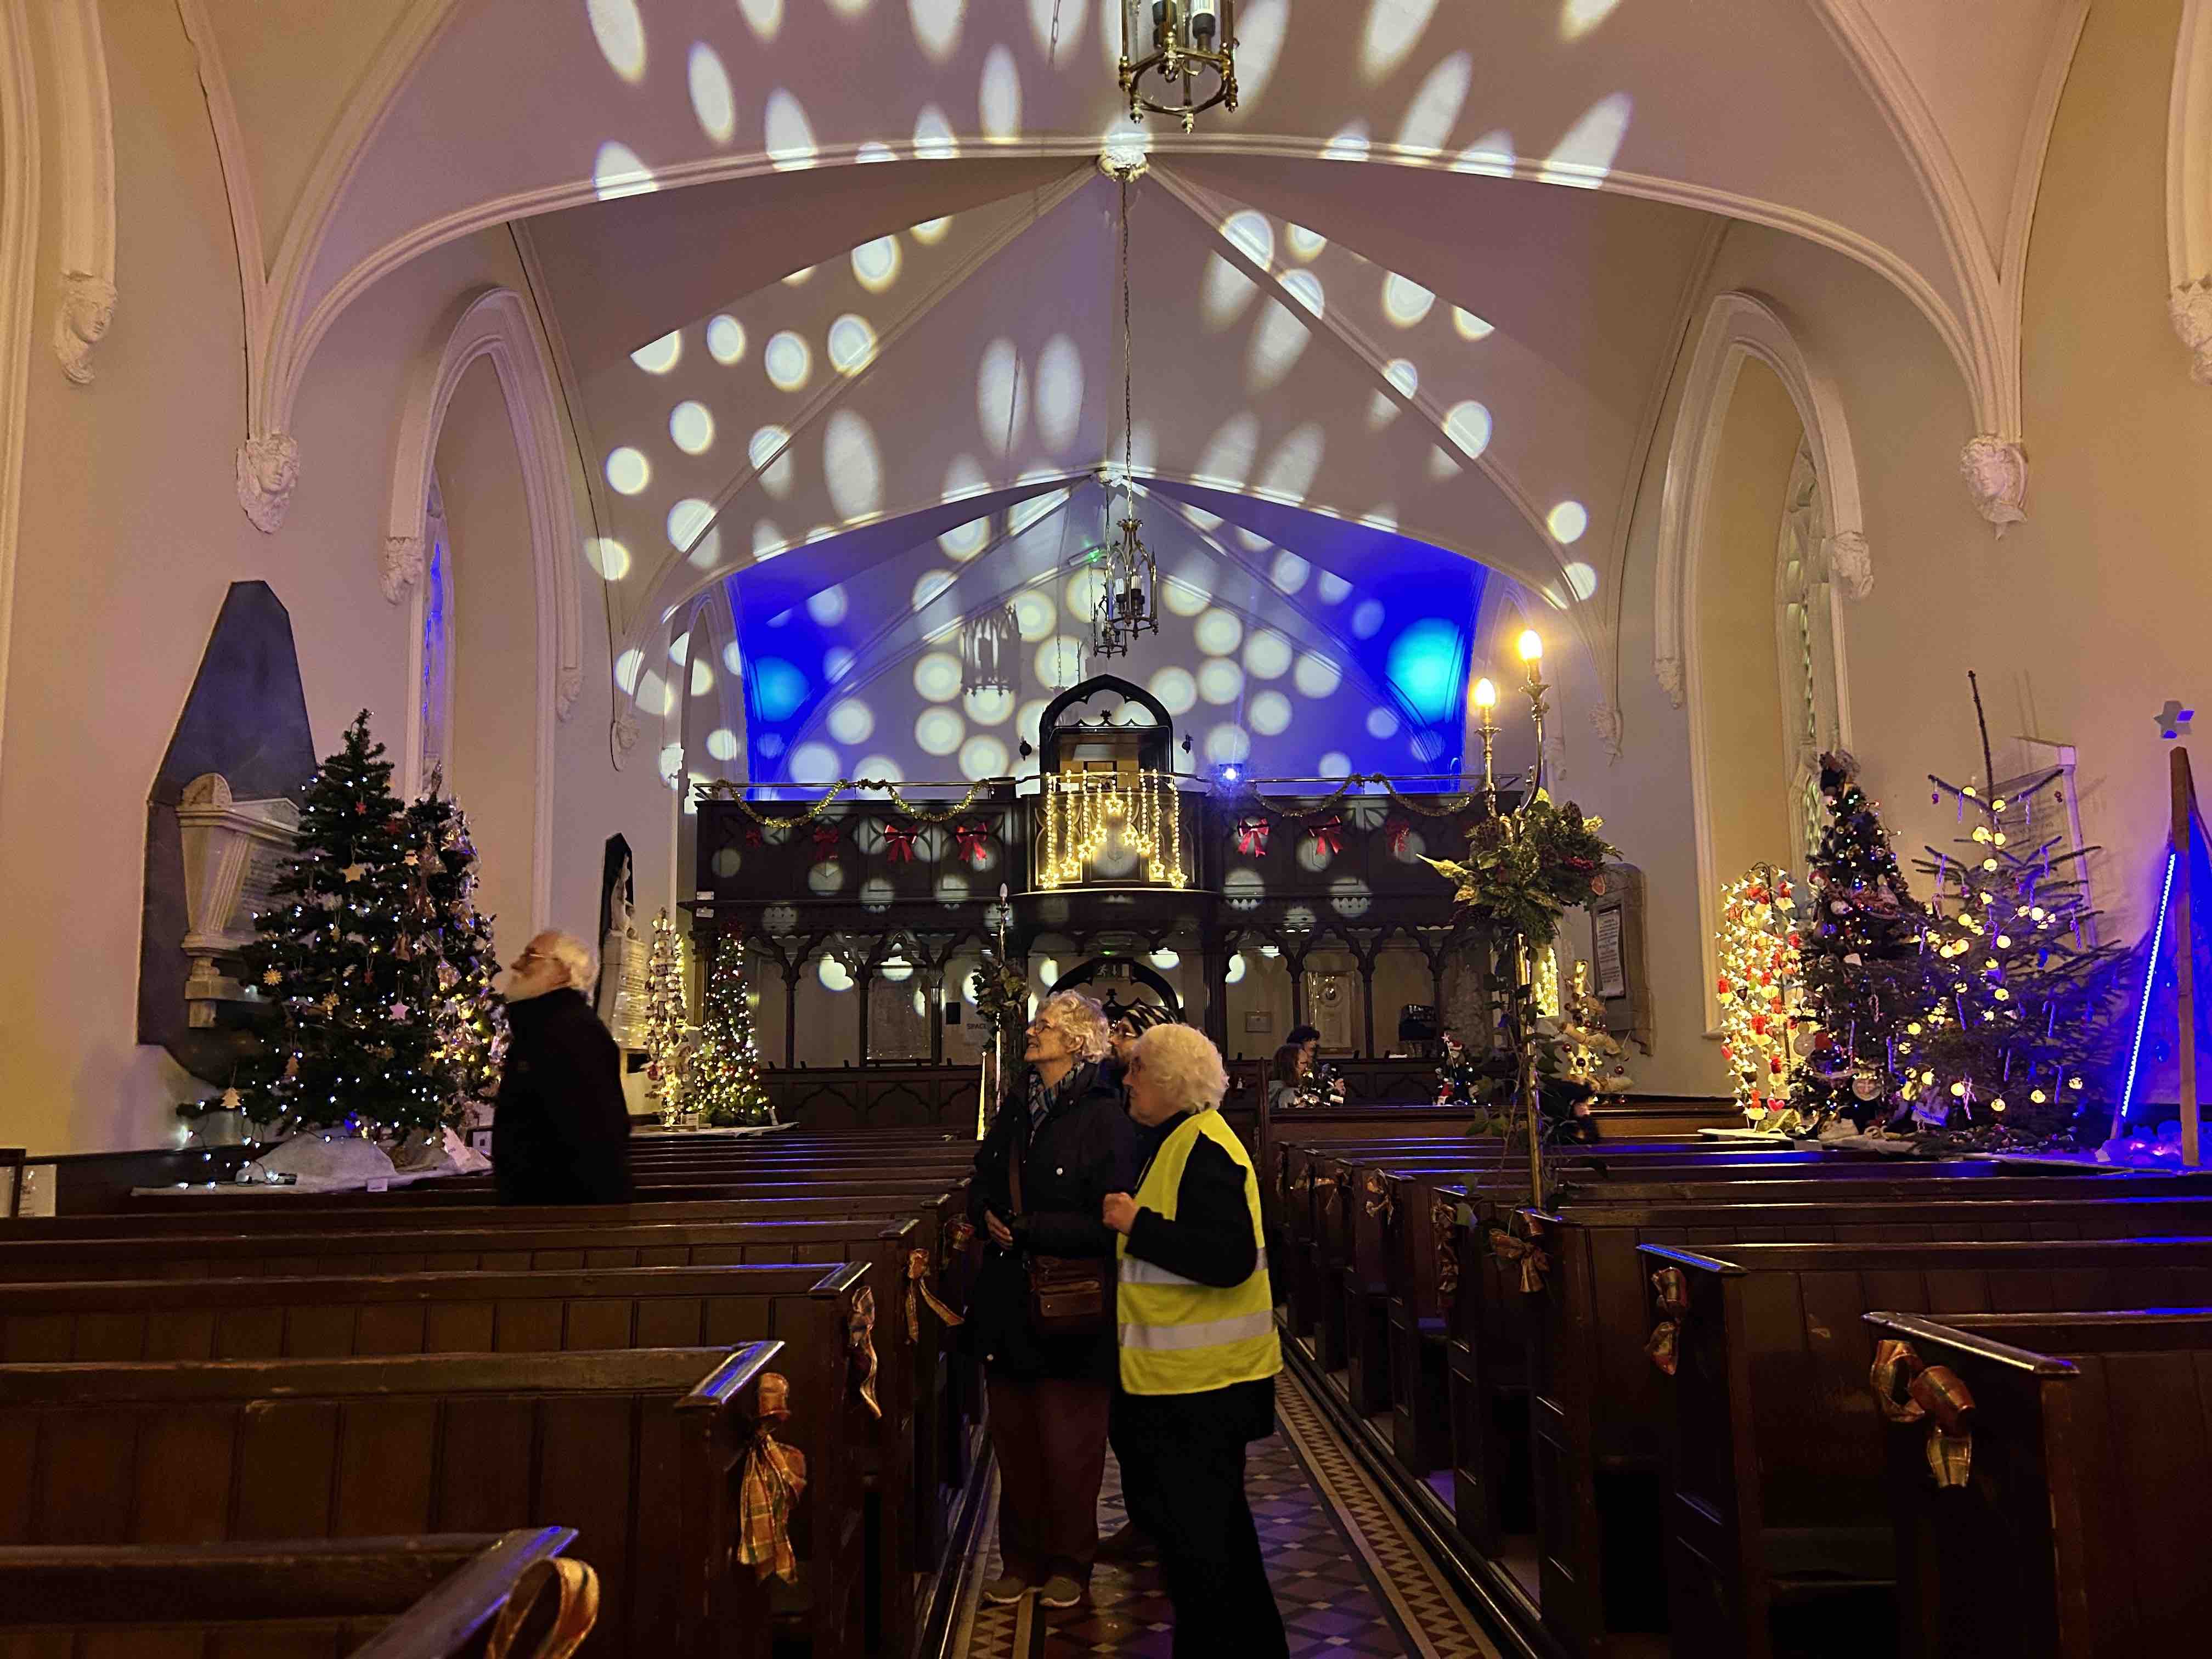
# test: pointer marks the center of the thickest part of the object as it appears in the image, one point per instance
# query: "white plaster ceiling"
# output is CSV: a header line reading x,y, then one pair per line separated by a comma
x,y
1552,172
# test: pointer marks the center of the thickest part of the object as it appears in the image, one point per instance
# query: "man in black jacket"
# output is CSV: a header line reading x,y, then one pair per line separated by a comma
x,y
561,1128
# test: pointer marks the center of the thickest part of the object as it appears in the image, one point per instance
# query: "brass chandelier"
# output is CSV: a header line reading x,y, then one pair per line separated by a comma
x,y
1128,603
1194,50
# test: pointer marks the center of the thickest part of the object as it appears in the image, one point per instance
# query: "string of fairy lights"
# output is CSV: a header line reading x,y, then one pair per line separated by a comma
x,y
1085,813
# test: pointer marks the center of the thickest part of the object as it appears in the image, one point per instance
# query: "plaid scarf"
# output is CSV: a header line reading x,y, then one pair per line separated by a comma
x,y
774,1475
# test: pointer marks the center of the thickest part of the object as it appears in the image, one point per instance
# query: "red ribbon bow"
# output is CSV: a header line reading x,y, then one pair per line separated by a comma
x,y
753,836
825,837
1328,834
900,839
1252,837
971,837
1399,828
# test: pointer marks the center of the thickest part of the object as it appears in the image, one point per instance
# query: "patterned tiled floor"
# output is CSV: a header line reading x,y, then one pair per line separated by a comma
x,y
1348,1578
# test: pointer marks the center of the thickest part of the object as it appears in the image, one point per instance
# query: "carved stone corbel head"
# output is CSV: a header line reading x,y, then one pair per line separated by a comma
x,y
1996,471
2190,305
1605,721
1668,670
401,565
1850,562
88,305
268,468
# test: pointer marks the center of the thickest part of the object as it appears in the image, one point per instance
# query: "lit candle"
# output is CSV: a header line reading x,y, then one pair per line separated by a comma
x,y
1485,694
1532,651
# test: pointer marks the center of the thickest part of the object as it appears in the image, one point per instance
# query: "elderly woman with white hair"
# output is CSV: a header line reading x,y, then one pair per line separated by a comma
x,y
560,1131
1198,1352
1059,1143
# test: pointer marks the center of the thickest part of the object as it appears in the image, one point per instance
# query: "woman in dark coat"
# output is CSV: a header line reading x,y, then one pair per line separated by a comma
x,y
1049,1396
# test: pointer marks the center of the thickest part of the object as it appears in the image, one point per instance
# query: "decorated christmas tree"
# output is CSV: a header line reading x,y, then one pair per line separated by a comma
x,y
454,976
723,1082
1591,1064
2020,1011
1760,989
1859,948
662,1030
340,951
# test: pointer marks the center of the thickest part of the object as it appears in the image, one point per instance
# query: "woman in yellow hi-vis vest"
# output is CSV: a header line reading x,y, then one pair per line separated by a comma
x,y
1198,1352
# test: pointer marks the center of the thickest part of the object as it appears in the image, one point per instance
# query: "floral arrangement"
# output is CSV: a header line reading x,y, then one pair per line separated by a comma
x,y
1002,995
1524,872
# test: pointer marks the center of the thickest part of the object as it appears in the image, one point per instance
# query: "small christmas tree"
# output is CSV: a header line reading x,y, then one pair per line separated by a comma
x,y
1760,989
724,1083
662,1030
454,957
338,951
1860,952
1589,1056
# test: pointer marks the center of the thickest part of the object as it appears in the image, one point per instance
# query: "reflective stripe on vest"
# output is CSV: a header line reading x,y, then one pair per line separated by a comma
x,y
1179,1336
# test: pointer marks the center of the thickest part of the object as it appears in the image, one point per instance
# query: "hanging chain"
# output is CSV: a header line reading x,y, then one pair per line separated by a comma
x,y
1128,372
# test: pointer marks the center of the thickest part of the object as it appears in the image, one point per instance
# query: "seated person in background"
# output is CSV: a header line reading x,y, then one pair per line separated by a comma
x,y
1286,1071
1307,1037
560,1131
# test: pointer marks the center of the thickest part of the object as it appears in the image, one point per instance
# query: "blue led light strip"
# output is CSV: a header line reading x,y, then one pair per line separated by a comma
x,y
2150,983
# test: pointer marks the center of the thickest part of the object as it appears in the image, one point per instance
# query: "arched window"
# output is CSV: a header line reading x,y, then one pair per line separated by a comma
x,y
436,691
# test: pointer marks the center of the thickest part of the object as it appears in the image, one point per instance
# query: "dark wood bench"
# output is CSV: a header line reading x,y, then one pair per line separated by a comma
x,y
1597,1414
1777,1520
2081,1533
637,1449
431,1597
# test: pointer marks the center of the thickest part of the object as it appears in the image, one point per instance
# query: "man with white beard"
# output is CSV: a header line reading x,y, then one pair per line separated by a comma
x,y
561,1128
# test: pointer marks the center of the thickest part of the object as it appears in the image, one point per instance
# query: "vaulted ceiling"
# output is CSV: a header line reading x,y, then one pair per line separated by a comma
x,y
832,279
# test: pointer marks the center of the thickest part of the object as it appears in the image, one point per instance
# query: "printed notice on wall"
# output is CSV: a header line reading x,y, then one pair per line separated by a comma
x,y
1605,945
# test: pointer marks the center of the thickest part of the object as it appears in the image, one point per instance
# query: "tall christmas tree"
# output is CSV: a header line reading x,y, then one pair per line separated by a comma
x,y
1764,1022
338,950
2021,1011
723,1082
453,974
662,1029
1859,951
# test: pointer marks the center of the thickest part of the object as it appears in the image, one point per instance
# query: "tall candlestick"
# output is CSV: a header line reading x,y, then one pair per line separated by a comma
x,y
1532,653
1485,699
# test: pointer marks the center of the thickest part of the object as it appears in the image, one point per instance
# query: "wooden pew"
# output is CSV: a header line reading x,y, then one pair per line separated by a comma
x,y
806,1308
634,1448
1776,1512
2080,1534
1598,1416
358,1598
939,1434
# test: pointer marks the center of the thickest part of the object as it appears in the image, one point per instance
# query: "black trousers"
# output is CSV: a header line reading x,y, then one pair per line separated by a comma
x,y
1182,1475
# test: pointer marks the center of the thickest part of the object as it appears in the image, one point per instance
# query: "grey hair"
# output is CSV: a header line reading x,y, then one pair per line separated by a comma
x,y
1078,1019
1185,1065
573,954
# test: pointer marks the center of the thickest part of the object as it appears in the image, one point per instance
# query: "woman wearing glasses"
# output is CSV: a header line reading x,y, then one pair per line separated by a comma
x,y
1059,1143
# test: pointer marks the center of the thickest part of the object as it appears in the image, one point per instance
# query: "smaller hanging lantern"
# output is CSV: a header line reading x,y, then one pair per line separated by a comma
x,y
990,642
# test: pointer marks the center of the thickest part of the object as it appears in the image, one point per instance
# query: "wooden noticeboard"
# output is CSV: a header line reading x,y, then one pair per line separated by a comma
x,y
1617,973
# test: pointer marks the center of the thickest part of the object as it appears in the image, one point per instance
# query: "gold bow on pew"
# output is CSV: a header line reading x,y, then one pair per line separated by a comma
x,y
918,1291
1672,1288
1442,1218
1908,1391
773,1476
1526,1252
575,1612
1327,1184
958,1238
1379,1200
861,1347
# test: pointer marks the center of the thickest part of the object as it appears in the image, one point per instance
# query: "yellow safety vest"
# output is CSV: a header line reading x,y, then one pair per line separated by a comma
x,y
1179,1336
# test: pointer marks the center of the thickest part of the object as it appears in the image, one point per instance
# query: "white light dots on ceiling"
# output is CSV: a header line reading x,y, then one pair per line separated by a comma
x,y
620,35
1404,301
1467,425
1567,521
876,264
726,340
616,172
937,677
627,471
691,426
789,361
661,355
712,99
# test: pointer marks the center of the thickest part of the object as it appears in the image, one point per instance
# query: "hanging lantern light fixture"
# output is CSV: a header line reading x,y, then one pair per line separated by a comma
x,y
1128,603
1191,64
989,651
